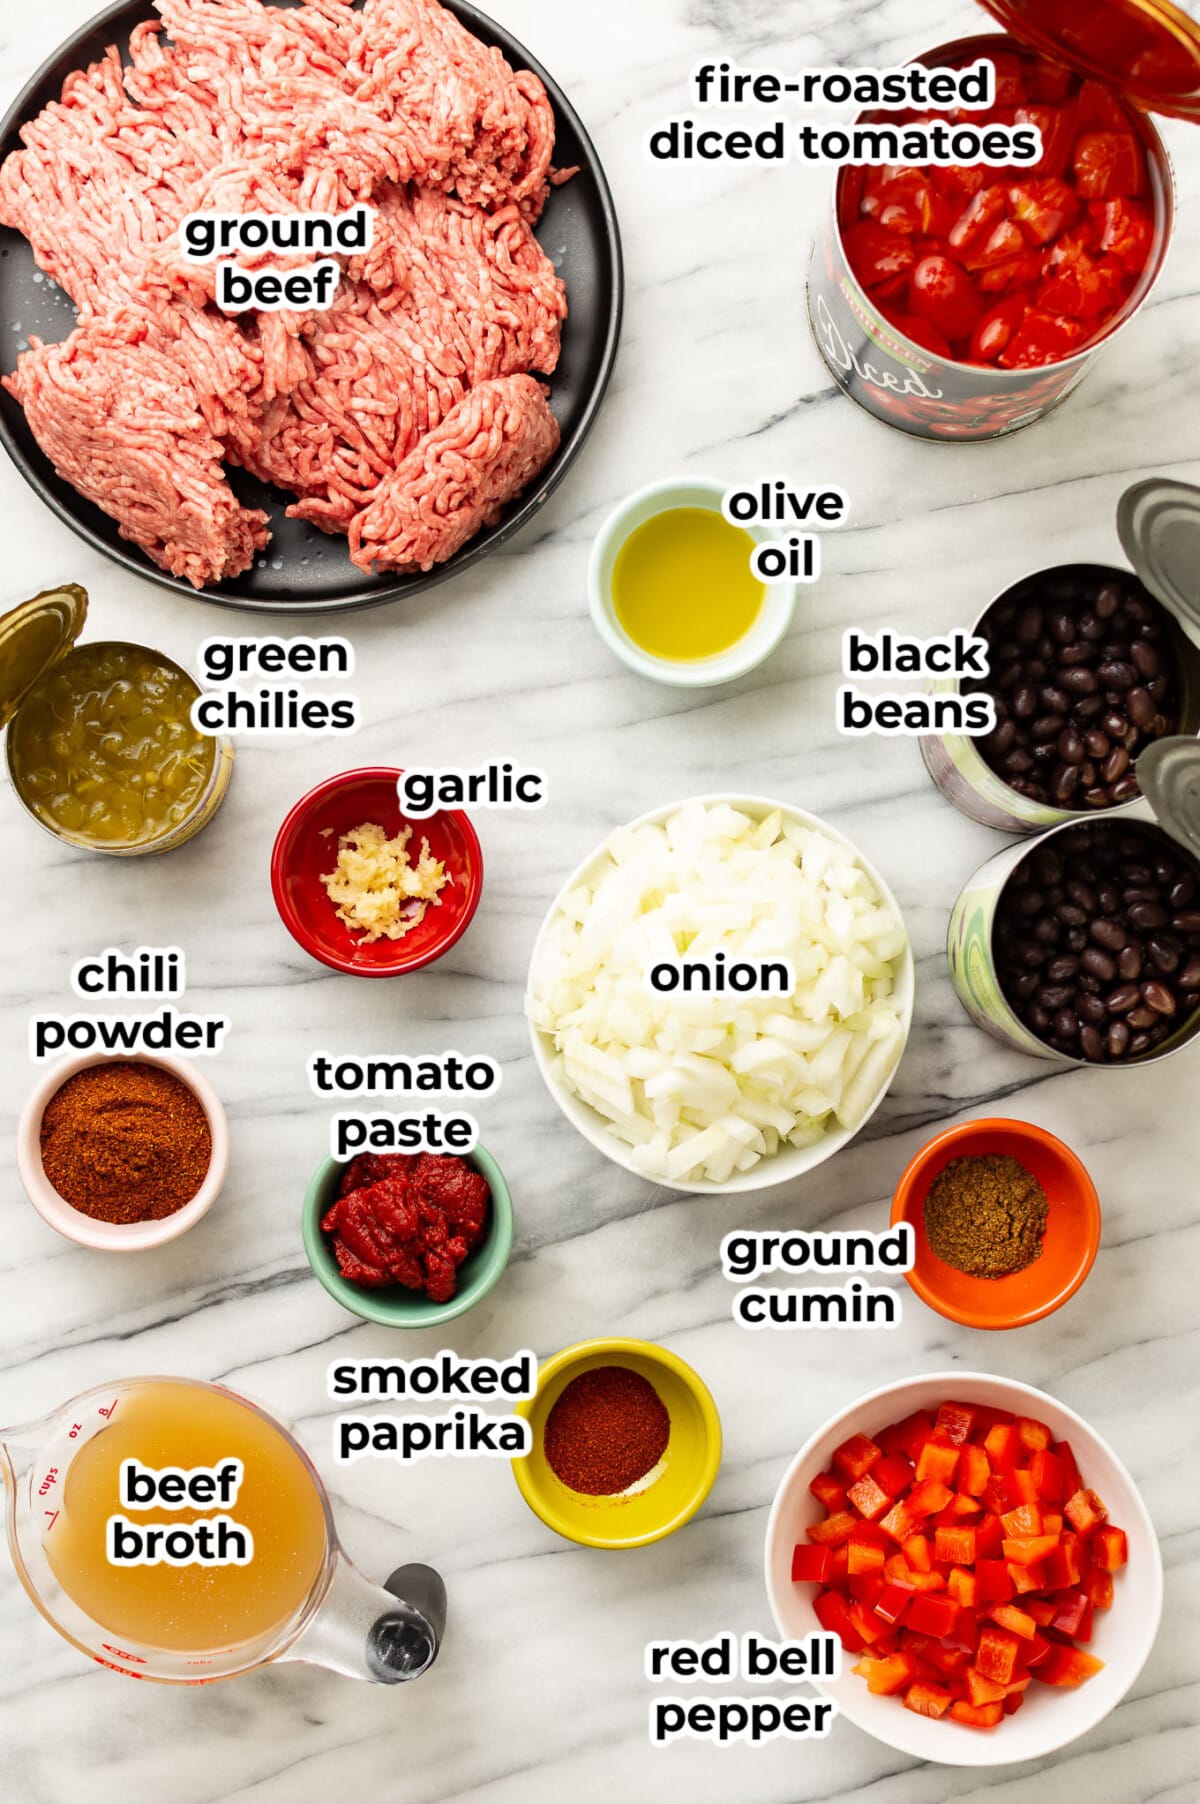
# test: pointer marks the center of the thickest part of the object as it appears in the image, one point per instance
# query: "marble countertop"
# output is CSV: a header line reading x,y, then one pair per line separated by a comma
x,y
540,1694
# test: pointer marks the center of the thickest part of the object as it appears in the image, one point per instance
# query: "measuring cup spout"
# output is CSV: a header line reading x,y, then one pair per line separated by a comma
x,y
384,1635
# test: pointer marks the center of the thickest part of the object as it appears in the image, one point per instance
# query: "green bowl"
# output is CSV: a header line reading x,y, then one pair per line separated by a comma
x,y
400,1308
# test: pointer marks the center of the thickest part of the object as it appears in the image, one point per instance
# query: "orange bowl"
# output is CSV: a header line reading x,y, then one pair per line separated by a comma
x,y
1069,1245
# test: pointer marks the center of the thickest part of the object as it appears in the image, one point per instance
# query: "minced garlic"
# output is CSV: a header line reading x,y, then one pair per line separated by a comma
x,y
378,891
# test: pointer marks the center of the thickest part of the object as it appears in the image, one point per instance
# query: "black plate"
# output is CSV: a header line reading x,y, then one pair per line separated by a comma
x,y
303,570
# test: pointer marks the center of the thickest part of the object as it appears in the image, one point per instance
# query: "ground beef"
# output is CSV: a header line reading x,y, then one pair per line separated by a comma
x,y
458,479
404,415
122,424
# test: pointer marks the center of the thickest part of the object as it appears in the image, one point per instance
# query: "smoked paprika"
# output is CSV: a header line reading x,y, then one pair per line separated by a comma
x,y
125,1142
608,1429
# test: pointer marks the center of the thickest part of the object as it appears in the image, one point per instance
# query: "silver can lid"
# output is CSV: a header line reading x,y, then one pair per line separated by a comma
x,y
1159,526
1169,774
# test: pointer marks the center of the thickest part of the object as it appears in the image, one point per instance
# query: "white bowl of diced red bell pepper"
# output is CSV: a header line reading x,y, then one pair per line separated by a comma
x,y
985,1559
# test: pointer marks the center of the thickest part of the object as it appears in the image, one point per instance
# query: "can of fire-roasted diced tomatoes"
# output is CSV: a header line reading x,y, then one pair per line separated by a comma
x,y
1088,665
1083,946
1034,313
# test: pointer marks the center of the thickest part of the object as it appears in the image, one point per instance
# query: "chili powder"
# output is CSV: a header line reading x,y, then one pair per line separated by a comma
x,y
985,1215
608,1428
125,1142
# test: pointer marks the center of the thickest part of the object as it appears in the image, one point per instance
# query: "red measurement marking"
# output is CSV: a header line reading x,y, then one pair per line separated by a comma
x,y
121,1653
111,1410
53,1515
48,1483
74,1431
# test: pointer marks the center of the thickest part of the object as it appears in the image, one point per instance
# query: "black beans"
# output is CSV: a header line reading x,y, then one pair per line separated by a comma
x,y
1097,940
1082,678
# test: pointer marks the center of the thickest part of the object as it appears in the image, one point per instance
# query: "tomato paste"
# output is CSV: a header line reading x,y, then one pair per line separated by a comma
x,y
408,1219
1017,267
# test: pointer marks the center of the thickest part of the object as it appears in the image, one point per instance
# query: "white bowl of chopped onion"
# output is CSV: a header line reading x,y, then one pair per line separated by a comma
x,y
721,1092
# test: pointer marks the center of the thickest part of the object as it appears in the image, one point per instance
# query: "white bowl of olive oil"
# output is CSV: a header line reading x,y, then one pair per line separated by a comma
x,y
672,591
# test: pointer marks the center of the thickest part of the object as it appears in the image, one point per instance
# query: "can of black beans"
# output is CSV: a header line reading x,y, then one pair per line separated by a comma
x,y
1084,946
1088,666
919,390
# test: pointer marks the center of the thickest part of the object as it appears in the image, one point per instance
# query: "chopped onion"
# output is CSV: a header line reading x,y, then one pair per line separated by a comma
x,y
703,1086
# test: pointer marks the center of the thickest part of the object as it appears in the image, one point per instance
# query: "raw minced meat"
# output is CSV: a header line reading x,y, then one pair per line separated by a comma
x,y
405,415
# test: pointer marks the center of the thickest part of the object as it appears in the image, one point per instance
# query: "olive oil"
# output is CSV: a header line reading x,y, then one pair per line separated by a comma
x,y
682,585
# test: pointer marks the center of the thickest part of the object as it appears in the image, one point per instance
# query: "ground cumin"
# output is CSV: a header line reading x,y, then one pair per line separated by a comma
x,y
985,1215
125,1142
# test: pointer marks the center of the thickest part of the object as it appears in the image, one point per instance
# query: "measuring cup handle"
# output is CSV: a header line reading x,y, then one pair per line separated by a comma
x,y
404,1643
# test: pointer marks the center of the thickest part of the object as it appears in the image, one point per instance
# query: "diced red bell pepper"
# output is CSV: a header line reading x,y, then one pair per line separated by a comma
x,y
1033,1435
1037,1651
1028,1550
954,1546
864,1555
827,1490
1125,233
833,1613
1026,1520
938,1459
963,1587
1027,1579
927,1700
996,1655
981,1690
976,1716
810,1565
973,1468
876,256
1012,1702
1067,1666
1108,165
1045,1468
868,1498
907,1438
1073,1608
856,1457
893,1601
1041,1609
899,1521
1085,1512
839,1571
1000,1443
1062,1565
1000,1494
893,1474
918,1553
995,1584
1070,1471
928,1497
1008,1616
965,1506
955,1421
1052,1522
932,1615
866,1623
1109,1548
1042,338
835,1529
887,1676
989,1538
1099,1588
865,1587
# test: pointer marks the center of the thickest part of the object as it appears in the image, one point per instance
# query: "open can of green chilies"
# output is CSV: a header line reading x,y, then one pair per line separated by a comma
x,y
1147,51
1158,522
1167,812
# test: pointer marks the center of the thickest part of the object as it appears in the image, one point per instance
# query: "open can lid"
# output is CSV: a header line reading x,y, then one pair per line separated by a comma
x,y
34,636
1158,522
1149,50
1169,774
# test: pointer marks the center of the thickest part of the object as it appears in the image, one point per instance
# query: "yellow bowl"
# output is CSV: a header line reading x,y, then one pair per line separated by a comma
x,y
687,1469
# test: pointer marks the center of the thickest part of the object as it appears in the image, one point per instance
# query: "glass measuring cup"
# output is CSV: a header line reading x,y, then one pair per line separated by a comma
x,y
341,1621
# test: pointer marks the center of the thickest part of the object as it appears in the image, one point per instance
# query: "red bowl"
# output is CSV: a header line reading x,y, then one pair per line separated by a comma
x,y
306,848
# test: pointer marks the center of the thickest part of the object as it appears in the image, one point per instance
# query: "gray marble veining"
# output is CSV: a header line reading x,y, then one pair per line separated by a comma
x,y
540,1693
